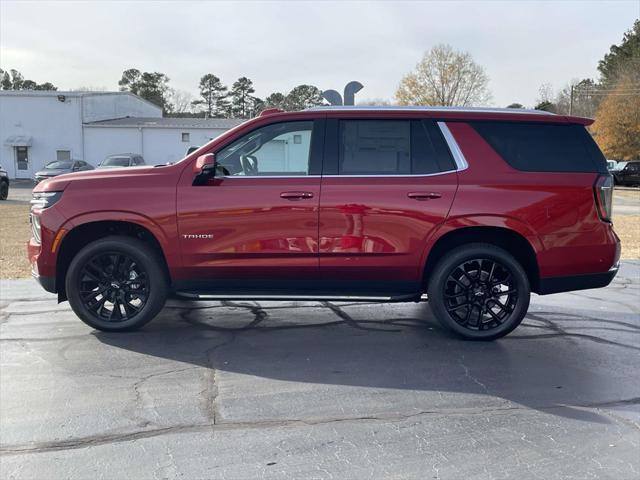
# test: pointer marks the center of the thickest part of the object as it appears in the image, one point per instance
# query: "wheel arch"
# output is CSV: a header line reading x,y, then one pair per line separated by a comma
x,y
520,242
80,234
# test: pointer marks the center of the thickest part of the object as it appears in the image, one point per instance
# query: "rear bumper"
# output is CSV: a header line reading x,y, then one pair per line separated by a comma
x,y
577,282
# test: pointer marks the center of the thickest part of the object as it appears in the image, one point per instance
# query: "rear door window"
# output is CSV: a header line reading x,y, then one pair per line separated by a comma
x,y
390,147
539,147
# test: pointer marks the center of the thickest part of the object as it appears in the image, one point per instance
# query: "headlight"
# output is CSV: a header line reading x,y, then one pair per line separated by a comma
x,y
44,199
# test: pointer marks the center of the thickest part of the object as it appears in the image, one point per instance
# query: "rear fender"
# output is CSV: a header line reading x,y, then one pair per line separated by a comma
x,y
499,221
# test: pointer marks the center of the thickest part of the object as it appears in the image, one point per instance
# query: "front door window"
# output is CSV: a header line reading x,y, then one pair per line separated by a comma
x,y
281,149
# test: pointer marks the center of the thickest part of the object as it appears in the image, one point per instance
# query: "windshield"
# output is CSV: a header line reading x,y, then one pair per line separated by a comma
x,y
116,162
58,165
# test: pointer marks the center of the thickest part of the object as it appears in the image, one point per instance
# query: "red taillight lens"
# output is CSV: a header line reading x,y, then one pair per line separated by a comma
x,y
603,191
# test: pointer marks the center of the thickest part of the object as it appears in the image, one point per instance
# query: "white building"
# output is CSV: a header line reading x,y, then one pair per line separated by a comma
x,y
38,127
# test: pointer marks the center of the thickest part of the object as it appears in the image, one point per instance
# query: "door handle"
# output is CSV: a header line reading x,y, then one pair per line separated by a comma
x,y
424,195
296,195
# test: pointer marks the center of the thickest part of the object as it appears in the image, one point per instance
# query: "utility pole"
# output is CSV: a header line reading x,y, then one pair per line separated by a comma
x,y
571,102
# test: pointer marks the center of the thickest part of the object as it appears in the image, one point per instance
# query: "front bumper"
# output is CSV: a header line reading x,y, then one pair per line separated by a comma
x,y
33,253
48,283
577,282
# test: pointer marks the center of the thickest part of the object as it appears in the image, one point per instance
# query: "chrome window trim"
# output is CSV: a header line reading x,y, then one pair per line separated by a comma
x,y
393,175
269,176
458,156
343,176
454,148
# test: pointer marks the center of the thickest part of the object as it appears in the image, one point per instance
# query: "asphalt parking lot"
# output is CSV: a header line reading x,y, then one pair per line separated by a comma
x,y
306,390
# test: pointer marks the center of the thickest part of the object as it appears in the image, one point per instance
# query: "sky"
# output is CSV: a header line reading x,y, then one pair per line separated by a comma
x,y
278,45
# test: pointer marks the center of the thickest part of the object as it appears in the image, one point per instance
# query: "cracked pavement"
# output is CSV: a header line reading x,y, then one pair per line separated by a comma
x,y
243,390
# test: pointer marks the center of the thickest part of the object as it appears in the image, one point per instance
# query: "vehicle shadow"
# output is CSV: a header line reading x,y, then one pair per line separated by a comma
x,y
541,366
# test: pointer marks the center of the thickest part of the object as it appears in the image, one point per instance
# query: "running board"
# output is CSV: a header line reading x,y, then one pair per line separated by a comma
x,y
412,297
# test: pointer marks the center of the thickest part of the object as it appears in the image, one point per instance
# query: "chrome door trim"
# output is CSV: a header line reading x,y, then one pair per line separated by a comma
x,y
458,156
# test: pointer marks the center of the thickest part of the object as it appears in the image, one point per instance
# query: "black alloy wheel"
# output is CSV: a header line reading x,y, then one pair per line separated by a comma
x,y
113,286
117,283
480,294
479,291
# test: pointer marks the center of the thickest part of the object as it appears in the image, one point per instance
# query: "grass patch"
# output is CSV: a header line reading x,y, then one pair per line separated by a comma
x,y
14,235
628,194
628,229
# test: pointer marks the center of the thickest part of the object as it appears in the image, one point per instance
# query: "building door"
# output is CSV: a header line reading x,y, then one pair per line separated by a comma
x,y
23,165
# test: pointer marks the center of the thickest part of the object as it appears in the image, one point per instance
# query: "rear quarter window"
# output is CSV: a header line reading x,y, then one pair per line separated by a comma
x,y
537,147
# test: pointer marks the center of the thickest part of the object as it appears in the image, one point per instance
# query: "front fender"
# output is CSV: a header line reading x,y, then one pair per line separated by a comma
x,y
166,235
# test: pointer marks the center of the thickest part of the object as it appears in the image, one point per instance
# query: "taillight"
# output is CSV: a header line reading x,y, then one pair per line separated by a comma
x,y
603,191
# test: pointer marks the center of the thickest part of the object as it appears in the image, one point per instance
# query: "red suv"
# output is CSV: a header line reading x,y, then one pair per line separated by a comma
x,y
475,208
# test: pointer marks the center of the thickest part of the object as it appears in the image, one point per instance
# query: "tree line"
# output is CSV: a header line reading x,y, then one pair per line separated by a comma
x,y
448,77
14,80
444,76
613,100
215,100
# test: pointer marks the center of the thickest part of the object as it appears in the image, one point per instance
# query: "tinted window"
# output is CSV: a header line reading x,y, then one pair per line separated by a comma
x,y
375,147
59,165
429,151
277,149
391,147
116,162
543,147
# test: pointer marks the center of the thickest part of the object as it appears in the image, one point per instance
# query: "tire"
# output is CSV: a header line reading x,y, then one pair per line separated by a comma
x,y
116,284
4,190
465,298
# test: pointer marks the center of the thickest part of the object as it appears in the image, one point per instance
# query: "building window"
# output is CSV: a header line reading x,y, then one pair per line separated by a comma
x,y
63,155
185,137
297,139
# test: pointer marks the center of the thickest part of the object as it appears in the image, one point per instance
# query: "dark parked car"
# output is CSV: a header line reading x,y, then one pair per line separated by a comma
x,y
121,160
4,184
60,167
476,208
628,175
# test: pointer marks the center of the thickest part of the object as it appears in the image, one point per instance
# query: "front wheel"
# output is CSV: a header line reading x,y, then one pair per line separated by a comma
x,y
116,284
4,190
479,291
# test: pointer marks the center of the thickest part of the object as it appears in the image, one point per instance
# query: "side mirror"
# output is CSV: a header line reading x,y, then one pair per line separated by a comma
x,y
205,164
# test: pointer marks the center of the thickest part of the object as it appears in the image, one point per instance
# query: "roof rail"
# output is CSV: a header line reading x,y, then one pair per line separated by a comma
x,y
270,111
434,109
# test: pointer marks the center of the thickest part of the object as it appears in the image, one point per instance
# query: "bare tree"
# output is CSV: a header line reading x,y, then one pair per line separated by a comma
x,y
447,77
181,101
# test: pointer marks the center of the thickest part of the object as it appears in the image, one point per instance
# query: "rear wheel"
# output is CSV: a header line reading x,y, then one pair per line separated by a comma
x,y
479,291
116,284
4,190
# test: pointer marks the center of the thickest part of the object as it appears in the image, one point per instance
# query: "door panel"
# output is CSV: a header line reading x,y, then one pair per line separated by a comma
x,y
386,185
256,222
242,228
373,232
